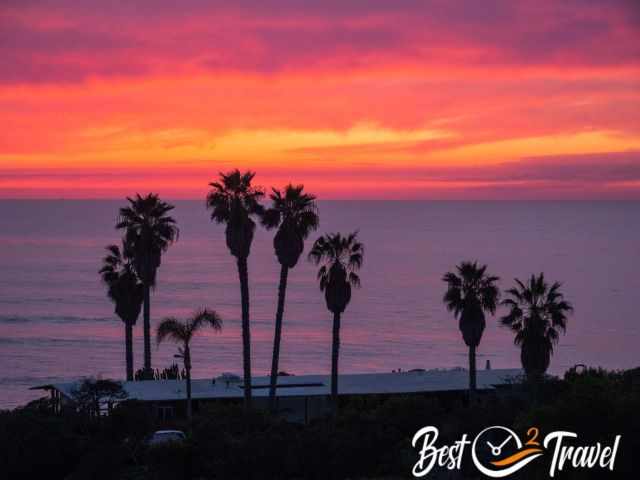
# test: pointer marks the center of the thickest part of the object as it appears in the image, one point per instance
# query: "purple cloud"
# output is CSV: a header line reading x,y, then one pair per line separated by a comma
x,y
100,38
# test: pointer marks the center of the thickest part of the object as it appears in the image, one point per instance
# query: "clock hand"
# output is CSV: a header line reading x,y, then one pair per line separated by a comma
x,y
505,442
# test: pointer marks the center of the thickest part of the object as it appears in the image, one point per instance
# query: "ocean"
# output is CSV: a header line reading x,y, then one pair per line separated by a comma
x,y
57,324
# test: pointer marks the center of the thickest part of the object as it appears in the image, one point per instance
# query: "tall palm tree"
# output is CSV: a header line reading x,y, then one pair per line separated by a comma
x,y
126,291
295,214
149,231
234,202
470,293
340,258
537,313
182,333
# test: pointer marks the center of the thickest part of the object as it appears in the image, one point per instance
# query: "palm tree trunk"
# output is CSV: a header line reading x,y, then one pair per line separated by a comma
x,y
335,353
282,288
147,329
128,345
246,333
187,368
472,372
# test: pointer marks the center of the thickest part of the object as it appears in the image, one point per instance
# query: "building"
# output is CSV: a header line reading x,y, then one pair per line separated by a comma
x,y
300,398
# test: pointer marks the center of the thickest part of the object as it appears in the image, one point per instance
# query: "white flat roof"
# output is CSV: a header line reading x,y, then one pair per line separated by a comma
x,y
315,385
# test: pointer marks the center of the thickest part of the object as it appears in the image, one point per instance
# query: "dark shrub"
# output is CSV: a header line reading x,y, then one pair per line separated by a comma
x,y
33,445
169,461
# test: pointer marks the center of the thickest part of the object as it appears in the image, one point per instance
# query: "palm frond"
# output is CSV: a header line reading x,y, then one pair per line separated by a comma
x,y
271,218
171,328
537,311
469,287
149,231
234,195
203,318
334,250
354,279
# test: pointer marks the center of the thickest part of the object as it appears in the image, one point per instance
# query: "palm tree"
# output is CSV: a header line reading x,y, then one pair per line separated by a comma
x,y
182,333
538,312
234,201
470,293
126,291
295,214
150,232
340,257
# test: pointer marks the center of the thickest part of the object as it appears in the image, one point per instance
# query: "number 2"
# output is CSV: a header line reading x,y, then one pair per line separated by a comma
x,y
533,433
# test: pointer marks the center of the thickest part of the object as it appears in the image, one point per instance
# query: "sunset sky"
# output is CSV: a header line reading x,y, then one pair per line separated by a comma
x,y
356,99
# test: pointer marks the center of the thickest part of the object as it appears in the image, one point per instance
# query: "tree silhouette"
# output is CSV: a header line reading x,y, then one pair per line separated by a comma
x,y
91,394
340,258
149,232
126,291
295,214
537,313
234,202
470,293
182,333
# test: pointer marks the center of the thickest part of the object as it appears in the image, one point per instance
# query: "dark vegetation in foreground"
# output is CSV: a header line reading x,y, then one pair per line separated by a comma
x,y
370,438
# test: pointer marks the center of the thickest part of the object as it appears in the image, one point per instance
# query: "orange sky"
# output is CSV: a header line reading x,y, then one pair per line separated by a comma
x,y
361,99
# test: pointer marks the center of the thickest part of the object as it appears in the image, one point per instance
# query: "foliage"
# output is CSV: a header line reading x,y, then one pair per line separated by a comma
x,y
370,438
471,292
93,394
123,285
169,461
172,372
233,200
149,231
182,332
339,257
295,215
537,314
35,445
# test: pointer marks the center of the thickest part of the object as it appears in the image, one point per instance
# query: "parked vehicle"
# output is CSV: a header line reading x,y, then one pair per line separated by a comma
x,y
162,437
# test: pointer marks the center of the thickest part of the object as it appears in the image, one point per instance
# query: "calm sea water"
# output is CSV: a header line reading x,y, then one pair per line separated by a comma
x,y
56,322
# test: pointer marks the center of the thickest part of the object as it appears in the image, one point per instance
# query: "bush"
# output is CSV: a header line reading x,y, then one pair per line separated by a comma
x,y
170,461
370,438
36,445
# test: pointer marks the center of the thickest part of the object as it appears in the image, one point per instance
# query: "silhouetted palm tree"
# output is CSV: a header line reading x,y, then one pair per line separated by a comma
x,y
295,214
149,231
537,313
126,291
182,333
234,201
470,293
340,258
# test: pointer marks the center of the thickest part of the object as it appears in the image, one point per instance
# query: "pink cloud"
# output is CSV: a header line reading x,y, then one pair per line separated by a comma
x,y
614,175
66,41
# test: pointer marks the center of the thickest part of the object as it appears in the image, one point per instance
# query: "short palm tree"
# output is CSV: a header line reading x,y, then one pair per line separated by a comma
x,y
126,291
149,231
537,313
295,215
340,258
470,293
234,201
182,333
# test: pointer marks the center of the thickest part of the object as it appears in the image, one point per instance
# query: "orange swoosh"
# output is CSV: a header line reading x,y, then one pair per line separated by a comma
x,y
516,456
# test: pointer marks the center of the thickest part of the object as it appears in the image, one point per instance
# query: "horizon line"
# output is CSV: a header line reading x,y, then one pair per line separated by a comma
x,y
193,199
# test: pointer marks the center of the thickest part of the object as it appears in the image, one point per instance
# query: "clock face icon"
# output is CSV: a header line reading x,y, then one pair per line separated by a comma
x,y
498,451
